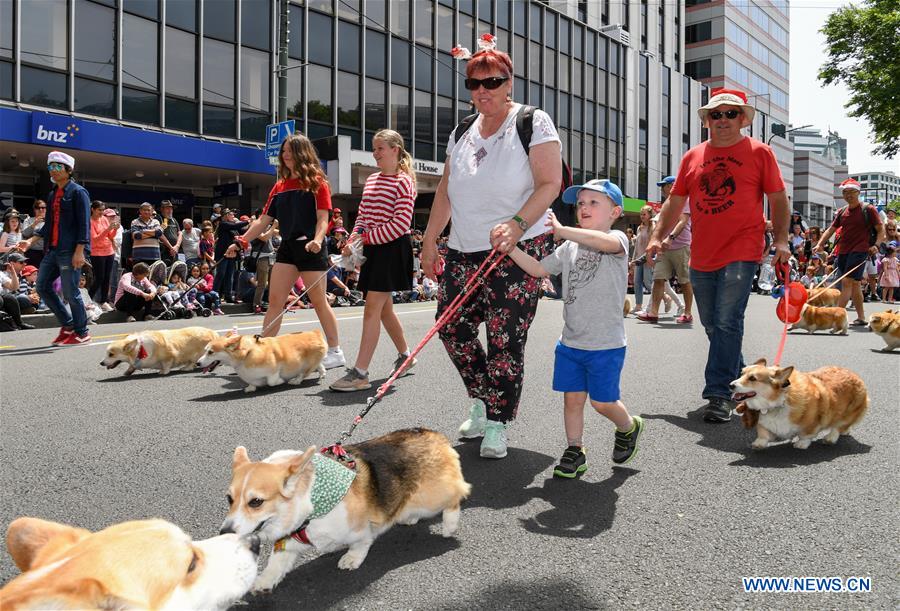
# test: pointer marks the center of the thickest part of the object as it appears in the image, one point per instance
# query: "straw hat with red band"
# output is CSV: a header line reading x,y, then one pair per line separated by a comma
x,y
728,97
850,185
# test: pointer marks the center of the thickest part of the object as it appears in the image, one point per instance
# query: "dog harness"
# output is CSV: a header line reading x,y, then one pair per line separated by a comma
x,y
329,487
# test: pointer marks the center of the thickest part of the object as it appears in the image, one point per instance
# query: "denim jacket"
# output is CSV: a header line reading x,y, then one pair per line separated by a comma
x,y
74,219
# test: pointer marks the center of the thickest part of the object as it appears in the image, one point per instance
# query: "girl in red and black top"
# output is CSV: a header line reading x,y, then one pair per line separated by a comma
x,y
300,201
383,226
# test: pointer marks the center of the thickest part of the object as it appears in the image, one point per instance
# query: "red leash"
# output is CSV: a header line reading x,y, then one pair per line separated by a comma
x,y
790,305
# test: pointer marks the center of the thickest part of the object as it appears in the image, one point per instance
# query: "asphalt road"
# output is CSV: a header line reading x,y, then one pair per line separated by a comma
x,y
676,529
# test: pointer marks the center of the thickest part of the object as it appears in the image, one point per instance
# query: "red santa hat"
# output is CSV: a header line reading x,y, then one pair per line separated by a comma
x,y
850,185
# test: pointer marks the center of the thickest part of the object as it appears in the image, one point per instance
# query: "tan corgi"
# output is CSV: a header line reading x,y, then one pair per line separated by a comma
x,y
163,350
268,361
812,319
886,325
793,404
823,297
626,308
149,564
308,502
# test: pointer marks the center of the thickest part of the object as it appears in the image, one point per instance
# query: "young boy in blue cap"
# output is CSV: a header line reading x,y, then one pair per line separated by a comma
x,y
593,262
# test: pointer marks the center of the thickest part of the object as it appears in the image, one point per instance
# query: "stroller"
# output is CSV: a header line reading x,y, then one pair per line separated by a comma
x,y
175,303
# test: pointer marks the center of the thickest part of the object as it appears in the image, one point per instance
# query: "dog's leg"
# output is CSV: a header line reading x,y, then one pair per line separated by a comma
x,y
763,436
322,370
832,436
355,555
250,388
164,369
297,380
450,521
802,443
274,380
280,564
131,369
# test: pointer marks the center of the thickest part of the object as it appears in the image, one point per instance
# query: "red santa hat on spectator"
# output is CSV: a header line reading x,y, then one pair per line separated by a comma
x,y
850,185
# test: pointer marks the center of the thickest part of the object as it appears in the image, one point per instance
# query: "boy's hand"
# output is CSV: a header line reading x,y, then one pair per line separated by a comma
x,y
553,223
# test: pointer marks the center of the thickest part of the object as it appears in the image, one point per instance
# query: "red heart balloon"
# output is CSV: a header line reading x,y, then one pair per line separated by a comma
x,y
791,304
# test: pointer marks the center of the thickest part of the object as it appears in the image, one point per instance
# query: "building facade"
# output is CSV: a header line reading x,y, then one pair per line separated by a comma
x,y
878,187
813,188
830,146
170,98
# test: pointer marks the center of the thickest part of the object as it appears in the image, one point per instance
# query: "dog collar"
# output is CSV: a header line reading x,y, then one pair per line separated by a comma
x,y
142,352
298,535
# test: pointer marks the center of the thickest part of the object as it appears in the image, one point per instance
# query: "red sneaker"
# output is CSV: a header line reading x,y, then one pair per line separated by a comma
x,y
64,333
76,340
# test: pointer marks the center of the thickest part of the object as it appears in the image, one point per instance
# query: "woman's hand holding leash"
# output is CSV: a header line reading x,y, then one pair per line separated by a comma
x,y
505,236
432,266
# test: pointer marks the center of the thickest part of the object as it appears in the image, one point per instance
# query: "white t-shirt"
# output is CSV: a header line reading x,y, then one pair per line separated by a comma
x,y
490,180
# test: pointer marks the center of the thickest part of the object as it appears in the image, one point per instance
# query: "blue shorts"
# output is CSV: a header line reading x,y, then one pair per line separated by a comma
x,y
850,260
595,371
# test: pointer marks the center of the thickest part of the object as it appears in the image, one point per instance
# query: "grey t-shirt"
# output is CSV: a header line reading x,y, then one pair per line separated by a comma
x,y
594,286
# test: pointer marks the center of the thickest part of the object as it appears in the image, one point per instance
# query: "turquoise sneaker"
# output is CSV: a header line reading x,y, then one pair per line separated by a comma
x,y
494,443
474,426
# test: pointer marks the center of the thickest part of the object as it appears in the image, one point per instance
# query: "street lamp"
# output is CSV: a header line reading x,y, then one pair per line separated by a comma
x,y
783,132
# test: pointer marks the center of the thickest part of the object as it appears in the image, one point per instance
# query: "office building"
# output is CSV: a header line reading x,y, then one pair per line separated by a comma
x,y
878,187
830,146
813,187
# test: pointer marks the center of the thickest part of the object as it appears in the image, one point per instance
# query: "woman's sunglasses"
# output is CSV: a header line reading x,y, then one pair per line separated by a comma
x,y
728,114
54,167
488,83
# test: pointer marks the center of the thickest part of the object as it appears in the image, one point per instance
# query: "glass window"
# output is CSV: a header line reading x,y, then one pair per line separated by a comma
x,y
601,53
6,28
519,92
578,42
38,19
375,55
254,81
139,56
253,126
424,22
519,16
320,39
95,40
535,23
255,31
218,121
424,68
6,81
601,123
376,117
218,73
486,10
326,6
376,11
445,72
550,29
589,73
400,110
519,59
503,14
564,62
564,25
180,64
349,9
466,32
348,46
295,42
348,99
445,28
399,61
549,68
445,123
600,98
534,61
466,6
564,110
590,42
182,13
534,94
590,111
140,106
400,18
424,117
44,88
577,82
95,98
219,23
181,115
320,94
147,8
295,89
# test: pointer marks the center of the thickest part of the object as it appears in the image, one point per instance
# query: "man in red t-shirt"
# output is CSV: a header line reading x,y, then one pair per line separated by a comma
x,y
854,246
725,180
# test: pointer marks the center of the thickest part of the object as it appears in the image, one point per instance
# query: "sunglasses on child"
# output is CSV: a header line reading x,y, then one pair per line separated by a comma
x,y
488,83
51,167
728,114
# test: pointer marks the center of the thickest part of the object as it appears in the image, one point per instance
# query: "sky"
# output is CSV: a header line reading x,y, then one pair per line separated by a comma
x,y
821,106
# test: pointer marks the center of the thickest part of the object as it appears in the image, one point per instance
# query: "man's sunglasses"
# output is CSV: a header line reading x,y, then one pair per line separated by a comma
x,y
51,167
488,83
728,114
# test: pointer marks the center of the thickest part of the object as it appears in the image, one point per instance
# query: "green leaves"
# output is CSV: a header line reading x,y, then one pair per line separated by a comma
x,y
863,53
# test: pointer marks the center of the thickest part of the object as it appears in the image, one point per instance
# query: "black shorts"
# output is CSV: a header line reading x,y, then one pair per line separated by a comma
x,y
846,262
388,267
293,252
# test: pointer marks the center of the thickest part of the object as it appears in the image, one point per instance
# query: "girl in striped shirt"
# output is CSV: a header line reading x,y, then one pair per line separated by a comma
x,y
383,227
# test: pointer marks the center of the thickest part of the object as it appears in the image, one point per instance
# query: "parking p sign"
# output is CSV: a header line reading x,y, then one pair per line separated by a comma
x,y
275,135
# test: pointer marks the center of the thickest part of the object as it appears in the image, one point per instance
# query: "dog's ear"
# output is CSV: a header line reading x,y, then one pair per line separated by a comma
x,y
131,346
232,342
87,593
26,537
257,337
761,362
296,471
782,376
240,457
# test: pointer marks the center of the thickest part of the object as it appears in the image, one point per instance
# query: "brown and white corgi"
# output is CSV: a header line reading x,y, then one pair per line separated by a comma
x,y
814,318
886,325
289,498
626,308
150,564
792,404
268,361
823,297
164,350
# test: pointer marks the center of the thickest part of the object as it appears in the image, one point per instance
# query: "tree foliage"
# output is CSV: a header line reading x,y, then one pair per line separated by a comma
x,y
863,53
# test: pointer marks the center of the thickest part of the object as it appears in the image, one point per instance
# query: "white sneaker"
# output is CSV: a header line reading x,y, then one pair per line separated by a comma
x,y
679,311
474,426
130,319
334,358
494,443
106,307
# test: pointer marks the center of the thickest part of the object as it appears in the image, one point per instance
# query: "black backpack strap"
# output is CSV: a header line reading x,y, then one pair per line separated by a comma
x,y
525,126
464,126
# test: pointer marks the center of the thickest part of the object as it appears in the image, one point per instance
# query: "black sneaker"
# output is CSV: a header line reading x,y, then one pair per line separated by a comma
x,y
626,444
718,410
572,463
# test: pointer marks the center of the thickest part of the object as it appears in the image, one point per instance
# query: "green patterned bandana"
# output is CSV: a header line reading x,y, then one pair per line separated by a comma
x,y
330,485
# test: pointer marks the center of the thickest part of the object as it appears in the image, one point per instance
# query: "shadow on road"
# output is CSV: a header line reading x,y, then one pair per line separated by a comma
x,y
234,389
581,509
500,484
883,351
320,584
726,437
784,456
541,595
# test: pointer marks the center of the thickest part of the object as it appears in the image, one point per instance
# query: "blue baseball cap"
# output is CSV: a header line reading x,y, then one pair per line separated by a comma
x,y
600,185
668,180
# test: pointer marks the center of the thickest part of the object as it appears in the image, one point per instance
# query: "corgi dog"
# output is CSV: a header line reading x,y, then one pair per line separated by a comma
x,y
150,564
162,350
813,318
626,308
823,297
793,404
400,478
268,361
886,325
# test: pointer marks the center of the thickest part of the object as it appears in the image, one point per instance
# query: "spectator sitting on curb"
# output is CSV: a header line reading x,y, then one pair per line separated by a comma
x,y
29,300
12,233
202,280
135,293
9,288
91,309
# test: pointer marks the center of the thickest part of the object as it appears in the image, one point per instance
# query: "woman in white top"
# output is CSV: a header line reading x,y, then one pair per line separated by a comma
x,y
497,195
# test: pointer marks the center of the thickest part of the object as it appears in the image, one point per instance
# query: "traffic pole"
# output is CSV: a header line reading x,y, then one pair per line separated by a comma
x,y
283,40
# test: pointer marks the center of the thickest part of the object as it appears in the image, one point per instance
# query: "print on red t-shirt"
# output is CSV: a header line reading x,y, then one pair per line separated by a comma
x,y
725,186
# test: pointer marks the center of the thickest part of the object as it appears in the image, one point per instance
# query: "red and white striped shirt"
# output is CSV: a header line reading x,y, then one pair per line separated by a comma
x,y
386,208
